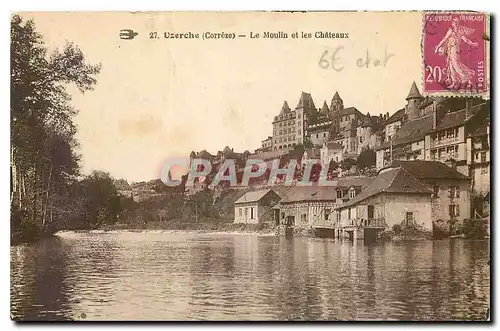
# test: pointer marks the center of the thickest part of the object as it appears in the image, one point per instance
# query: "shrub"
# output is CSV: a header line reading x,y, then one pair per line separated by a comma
x,y
396,228
474,229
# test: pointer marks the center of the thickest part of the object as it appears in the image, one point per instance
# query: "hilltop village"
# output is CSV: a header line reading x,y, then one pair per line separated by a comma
x,y
426,165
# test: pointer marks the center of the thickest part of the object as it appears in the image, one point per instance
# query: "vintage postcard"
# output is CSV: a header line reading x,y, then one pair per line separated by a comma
x,y
238,166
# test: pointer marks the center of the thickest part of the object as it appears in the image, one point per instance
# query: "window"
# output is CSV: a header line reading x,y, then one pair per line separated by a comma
x,y
246,212
327,214
453,192
303,218
339,194
251,213
298,116
282,215
409,219
454,210
436,190
371,212
241,212
338,216
324,135
349,213
352,193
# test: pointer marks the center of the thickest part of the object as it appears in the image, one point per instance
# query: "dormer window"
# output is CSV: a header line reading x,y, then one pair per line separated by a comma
x,y
352,193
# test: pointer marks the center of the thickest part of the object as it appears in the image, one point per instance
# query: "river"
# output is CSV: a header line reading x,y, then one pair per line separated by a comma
x,y
193,276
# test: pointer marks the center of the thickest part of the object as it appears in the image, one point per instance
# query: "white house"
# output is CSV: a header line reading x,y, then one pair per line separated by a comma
x,y
253,207
331,151
394,197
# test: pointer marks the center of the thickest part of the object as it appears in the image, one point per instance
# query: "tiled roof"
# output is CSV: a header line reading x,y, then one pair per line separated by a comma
x,y
480,131
205,155
428,169
414,92
306,101
333,145
452,119
285,108
324,110
322,193
397,116
264,156
411,131
350,111
253,196
396,180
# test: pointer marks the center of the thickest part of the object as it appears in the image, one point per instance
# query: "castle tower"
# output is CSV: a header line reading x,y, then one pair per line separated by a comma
x,y
306,112
414,99
285,108
325,111
337,103
336,106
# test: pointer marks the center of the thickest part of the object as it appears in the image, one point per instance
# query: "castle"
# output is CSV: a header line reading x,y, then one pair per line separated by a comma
x,y
454,131
313,127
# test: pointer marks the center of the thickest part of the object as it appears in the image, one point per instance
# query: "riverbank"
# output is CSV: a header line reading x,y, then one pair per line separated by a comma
x,y
193,226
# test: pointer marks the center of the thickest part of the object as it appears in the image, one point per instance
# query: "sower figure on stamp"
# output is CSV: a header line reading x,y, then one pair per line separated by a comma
x,y
457,73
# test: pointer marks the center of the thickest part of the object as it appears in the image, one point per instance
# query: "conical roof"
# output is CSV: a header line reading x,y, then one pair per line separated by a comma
x,y
324,110
414,92
285,108
336,96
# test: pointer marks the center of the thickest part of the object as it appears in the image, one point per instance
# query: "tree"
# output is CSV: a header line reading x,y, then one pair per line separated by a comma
x,y
346,164
44,165
101,199
366,159
332,166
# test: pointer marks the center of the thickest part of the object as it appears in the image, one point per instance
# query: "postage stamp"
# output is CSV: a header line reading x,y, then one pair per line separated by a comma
x,y
454,52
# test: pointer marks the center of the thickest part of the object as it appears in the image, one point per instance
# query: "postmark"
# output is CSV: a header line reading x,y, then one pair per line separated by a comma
x,y
455,53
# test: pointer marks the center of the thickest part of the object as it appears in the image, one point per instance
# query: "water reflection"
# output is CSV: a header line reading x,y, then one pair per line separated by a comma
x,y
179,276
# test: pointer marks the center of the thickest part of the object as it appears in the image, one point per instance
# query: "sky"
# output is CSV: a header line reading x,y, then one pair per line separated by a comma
x,y
162,98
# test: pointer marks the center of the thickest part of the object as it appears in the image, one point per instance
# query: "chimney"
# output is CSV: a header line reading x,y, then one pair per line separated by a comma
x,y
468,108
387,114
434,114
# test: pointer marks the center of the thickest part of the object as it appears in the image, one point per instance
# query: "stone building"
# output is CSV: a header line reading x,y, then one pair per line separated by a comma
x,y
347,126
450,198
319,131
393,123
267,144
394,197
331,151
255,207
289,125
478,160
311,206
433,129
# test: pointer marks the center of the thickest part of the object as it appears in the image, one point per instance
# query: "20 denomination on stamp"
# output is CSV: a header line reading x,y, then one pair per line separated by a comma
x,y
454,53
